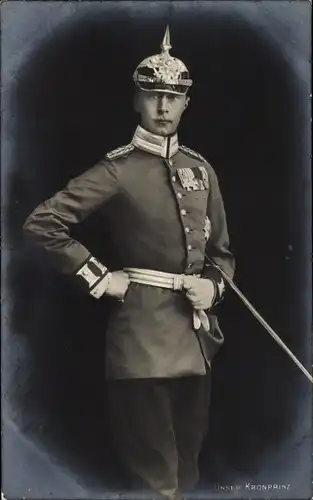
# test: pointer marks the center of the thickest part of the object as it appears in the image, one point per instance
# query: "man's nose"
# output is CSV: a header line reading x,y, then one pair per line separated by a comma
x,y
163,104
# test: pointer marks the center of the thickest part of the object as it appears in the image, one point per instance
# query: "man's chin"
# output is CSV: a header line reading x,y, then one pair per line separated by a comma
x,y
163,130
163,133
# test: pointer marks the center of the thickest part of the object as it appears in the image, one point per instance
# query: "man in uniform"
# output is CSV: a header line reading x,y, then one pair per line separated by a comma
x,y
162,205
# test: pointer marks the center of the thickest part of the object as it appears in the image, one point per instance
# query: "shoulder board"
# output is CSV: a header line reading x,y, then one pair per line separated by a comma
x,y
120,152
191,153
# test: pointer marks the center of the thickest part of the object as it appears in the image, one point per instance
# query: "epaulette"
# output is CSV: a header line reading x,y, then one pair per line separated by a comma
x,y
193,154
120,152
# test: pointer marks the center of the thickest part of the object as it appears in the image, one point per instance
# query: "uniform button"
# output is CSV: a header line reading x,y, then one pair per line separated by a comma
x,y
85,272
187,229
179,195
174,178
183,211
189,247
190,265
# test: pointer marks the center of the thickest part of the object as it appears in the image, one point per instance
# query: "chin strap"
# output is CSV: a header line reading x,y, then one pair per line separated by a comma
x,y
261,320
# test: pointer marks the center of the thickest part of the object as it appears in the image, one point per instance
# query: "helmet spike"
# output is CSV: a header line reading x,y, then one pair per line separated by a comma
x,y
166,42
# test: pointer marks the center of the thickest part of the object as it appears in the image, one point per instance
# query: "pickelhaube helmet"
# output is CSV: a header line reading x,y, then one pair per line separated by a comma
x,y
163,72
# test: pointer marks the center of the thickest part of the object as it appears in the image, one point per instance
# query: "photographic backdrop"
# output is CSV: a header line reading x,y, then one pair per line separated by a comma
x,y
67,100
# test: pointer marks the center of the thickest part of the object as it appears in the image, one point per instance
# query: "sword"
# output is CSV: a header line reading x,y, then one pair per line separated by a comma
x,y
261,320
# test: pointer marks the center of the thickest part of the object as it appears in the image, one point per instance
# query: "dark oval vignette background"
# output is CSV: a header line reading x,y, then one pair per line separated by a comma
x,y
67,99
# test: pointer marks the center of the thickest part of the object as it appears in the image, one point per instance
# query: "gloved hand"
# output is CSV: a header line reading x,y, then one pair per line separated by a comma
x,y
114,284
118,284
200,292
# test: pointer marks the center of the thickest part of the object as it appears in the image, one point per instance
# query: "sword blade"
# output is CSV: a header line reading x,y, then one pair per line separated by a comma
x,y
258,316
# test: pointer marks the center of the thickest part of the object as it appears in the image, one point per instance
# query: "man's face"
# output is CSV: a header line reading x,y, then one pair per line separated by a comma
x,y
160,112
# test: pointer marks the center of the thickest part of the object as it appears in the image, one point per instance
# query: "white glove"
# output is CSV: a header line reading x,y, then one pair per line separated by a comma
x,y
114,284
200,291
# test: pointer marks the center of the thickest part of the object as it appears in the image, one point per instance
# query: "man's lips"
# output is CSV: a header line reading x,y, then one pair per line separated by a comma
x,y
162,122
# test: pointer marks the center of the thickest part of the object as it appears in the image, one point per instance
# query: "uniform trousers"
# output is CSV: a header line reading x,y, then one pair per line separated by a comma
x,y
158,426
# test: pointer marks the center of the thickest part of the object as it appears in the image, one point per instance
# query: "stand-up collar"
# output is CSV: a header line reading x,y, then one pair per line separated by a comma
x,y
165,147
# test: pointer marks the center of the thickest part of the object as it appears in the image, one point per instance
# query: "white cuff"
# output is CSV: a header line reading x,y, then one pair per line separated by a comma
x,y
92,271
101,287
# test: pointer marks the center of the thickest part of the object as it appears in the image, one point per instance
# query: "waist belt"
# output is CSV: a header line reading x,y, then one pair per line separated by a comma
x,y
170,281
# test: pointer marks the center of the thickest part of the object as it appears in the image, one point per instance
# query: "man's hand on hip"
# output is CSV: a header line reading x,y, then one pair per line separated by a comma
x,y
118,284
200,292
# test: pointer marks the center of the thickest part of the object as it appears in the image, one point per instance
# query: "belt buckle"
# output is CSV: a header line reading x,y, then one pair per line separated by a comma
x,y
178,282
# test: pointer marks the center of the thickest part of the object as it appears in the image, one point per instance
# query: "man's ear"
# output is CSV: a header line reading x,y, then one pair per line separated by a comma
x,y
187,102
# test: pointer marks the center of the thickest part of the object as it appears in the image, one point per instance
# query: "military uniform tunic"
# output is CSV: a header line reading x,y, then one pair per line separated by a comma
x,y
161,204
